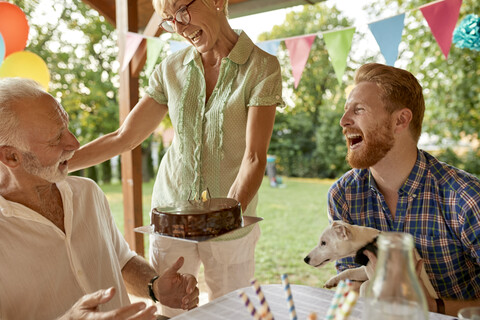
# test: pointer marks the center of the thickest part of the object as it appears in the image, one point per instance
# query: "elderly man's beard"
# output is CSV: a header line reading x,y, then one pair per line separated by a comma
x,y
376,144
53,173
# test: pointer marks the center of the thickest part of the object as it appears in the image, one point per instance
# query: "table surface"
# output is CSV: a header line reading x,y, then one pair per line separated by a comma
x,y
306,299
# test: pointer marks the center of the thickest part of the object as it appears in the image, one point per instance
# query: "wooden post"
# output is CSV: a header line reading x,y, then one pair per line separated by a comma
x,y
131,162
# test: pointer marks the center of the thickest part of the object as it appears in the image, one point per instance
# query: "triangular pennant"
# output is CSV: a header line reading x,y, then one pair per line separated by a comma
x,y
270,46
388,33
338,45
131,45
441,18
177,45
154,46
299,50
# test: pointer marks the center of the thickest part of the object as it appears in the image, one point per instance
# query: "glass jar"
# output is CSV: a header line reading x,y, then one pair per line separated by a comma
x,y
395,293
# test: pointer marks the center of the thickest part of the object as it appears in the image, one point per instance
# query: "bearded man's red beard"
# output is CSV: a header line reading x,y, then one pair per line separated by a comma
x,y
376,144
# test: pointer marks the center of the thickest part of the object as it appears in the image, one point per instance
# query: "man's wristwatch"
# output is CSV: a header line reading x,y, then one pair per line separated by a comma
x,y
150,289
440,306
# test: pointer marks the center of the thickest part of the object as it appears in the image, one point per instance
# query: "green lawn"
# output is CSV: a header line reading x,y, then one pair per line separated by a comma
x,y
294,217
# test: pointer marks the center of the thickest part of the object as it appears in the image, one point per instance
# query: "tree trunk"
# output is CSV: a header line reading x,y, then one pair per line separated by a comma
x,y
147,162
106,171
92,173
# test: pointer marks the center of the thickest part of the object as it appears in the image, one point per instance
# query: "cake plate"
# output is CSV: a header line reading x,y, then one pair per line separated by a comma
x,y
247,221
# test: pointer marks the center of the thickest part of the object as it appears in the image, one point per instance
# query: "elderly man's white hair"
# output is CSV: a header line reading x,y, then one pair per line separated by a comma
x,y
12,91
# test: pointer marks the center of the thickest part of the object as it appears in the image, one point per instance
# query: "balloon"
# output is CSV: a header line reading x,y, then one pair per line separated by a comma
x,y
13,27
25,64
2,49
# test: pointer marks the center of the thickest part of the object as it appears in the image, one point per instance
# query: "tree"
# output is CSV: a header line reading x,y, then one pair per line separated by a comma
x,y
80,49
451,86
307,137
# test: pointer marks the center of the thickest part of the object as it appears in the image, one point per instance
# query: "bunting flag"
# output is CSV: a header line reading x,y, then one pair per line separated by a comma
x,y
131,46
299,50
154,46
442,17
388,34
338,43
270,46
177,45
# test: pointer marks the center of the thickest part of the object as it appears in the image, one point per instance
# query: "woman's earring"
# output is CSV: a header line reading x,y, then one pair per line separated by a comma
x,y
218,9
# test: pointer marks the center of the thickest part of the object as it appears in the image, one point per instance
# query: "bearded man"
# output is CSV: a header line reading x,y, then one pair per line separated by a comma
x,y
394,186
61,254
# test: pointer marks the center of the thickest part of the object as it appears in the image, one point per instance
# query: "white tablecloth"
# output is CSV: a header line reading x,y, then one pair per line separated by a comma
x,y
306,299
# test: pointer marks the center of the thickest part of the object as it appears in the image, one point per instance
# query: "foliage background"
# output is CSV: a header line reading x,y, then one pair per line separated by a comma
x,y
307,137
80,49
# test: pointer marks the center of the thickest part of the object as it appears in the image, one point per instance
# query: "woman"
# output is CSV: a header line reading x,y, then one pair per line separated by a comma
x,y
221,94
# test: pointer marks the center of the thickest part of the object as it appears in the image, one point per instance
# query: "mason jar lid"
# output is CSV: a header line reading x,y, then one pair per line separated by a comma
x,y
400,240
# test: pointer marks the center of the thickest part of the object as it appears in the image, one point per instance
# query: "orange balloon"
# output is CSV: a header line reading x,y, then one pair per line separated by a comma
x,y
13,27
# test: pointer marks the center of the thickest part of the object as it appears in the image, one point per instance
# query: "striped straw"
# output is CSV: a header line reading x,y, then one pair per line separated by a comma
x,y
341,287
346,290
249,305
347,307
349,284
266,312
288,294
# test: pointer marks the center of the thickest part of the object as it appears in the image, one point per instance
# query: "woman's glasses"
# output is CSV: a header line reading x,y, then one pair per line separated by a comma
x,y
182,16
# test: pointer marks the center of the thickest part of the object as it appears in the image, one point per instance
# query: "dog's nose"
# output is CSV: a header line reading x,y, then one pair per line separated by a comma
x,y
307,259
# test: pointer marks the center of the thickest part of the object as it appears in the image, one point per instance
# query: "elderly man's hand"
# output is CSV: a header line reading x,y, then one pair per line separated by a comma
x,y
177,290
87,308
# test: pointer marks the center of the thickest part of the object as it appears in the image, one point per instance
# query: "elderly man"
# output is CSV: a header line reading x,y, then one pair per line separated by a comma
x,y
394,186
61,253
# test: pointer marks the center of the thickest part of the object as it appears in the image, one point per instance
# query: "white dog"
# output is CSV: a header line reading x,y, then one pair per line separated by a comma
x,y
341,240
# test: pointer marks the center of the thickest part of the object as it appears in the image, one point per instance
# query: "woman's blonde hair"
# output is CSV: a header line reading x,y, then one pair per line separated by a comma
x,y
159,5
399,89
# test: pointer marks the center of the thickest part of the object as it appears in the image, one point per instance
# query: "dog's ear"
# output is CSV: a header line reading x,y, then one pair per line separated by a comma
x,y
341,230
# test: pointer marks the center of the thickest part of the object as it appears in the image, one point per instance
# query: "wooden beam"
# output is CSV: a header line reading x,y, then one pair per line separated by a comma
x,y
105,8
151,30
240,8
139,59
131,162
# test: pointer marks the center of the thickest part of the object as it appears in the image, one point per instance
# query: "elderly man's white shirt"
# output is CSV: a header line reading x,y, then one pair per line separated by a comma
x,y
44,271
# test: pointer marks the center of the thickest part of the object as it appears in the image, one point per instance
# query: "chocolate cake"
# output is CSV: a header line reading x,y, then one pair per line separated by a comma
x,y
184,219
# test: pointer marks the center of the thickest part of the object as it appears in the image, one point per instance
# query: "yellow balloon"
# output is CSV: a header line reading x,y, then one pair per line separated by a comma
x,y
25,64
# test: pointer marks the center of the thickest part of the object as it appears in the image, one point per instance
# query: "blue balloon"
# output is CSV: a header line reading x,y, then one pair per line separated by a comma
x,y
2,48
